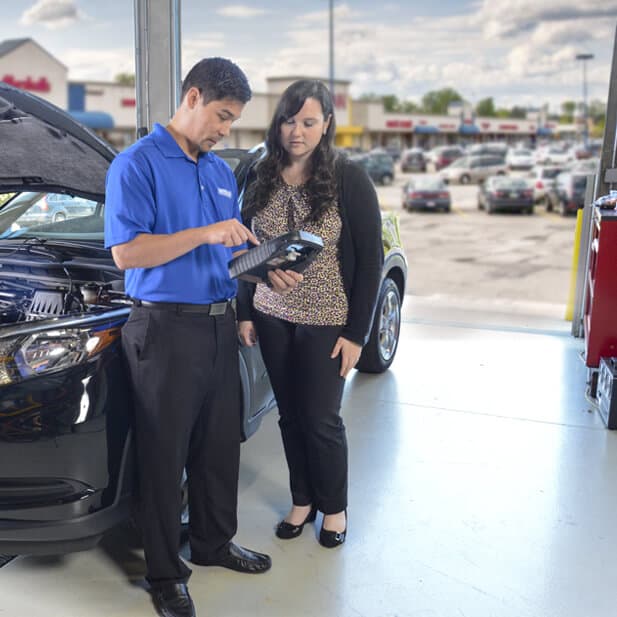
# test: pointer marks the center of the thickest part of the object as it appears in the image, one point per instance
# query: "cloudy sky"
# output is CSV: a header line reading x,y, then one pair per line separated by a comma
x,y
521,52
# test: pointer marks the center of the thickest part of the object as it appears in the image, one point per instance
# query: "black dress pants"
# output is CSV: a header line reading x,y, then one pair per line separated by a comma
x,y
187,397
308,390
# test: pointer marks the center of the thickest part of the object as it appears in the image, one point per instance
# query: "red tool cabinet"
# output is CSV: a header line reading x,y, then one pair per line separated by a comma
x,y
600,314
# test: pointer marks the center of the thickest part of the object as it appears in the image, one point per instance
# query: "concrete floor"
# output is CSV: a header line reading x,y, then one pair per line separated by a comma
x,y
482,483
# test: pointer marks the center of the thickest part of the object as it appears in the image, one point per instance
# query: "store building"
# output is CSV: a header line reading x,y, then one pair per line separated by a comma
x,y
109,109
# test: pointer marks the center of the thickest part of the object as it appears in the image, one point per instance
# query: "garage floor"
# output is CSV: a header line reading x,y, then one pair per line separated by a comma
x,y
482,484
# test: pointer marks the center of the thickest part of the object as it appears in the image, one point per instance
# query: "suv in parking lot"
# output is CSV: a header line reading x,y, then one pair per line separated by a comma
x,y
66,445
442,156
378,165
568,193
474,169
413,160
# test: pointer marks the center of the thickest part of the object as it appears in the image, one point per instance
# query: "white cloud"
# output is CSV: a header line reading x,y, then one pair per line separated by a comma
x,y
240,10
52,14
504,18
341,11
98,64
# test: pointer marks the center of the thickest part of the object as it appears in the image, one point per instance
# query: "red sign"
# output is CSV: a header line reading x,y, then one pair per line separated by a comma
x,y
508,127
399,124
447,126
485,125
127,102
340,101
39,85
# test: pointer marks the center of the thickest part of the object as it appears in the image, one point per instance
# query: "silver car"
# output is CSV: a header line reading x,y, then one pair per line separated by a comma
x,y
474,169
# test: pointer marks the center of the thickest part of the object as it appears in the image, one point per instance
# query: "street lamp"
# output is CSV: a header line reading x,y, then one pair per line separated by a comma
x,y
331,24
584,58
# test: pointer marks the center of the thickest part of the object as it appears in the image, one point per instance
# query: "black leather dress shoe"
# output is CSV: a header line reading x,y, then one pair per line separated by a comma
x,y
287,531
173,600
237,558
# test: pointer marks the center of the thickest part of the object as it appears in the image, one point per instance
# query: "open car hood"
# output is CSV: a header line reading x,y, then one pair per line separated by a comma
x,y
43,149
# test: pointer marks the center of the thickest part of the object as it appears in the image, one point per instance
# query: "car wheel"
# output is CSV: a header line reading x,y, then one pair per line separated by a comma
x,y
378,353
563,210
386,180
447,209
489,208
465,179
529,210
58,217
480,206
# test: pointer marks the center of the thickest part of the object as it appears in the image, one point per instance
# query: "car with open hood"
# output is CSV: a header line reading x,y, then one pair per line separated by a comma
x,y
66,445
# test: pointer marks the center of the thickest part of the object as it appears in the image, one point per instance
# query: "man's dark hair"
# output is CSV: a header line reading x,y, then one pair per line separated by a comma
x,y
217,79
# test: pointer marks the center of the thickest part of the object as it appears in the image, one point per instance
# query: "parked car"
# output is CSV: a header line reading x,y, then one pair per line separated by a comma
x,y
56,207
442,156
568,193
505,193
586,166
474,169
379,166
496,148
66,441
552,155
543,180
427,193
520,159
413,160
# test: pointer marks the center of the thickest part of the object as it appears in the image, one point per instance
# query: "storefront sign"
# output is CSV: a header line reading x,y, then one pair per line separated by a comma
x,y
127,102
34,85
340,101
399,124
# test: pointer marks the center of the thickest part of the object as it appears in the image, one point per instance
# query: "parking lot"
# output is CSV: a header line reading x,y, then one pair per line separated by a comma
x,y
511,260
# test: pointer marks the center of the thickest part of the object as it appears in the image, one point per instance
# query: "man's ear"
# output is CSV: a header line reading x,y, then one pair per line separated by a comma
x,y
192,97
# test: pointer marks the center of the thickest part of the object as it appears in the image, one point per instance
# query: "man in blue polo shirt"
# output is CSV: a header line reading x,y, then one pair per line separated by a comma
x,y
172,222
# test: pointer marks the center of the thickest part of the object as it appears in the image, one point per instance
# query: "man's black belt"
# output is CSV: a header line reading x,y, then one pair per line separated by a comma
x,y
216,308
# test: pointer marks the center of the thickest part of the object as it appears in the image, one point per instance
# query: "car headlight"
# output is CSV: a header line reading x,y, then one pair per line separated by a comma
x,y
49,350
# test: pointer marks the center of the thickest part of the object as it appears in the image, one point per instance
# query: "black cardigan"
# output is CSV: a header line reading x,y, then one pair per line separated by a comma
x,y
361,252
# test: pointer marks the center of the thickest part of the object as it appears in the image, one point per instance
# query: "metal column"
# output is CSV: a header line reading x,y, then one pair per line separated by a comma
x,y
157,62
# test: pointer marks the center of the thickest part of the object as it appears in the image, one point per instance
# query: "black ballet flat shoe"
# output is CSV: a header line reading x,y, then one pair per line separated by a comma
x,y
332,539
287,531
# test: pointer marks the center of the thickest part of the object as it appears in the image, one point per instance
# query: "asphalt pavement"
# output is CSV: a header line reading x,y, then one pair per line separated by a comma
x,y
507,261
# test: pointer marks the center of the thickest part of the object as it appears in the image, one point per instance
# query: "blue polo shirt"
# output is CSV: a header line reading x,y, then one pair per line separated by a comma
x,y
154,187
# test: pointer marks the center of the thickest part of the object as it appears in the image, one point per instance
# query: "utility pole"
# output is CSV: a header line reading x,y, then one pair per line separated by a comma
x,y
332,47
584,58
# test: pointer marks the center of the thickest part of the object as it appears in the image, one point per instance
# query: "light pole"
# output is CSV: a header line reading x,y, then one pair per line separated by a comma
x,y
332,47
584,58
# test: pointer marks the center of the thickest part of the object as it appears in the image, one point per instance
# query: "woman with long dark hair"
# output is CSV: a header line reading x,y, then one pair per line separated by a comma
x,y
312,336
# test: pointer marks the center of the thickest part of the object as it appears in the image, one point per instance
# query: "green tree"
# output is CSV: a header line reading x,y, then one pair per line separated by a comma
x,y
391,102
518,112
502,112
567,111
597,110
437,101
409,107
486,107
125,79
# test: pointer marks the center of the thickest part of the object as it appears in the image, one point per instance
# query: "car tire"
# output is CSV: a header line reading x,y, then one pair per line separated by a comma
x,y
480,206
379,352
447,209
529,210
386,180
465,179
563,210
489,208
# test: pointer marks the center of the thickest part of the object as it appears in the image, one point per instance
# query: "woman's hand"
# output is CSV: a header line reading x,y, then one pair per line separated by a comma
x,y
247,333
284,281
349,352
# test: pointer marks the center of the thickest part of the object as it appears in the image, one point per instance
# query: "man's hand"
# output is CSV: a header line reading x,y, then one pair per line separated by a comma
x,y
349,352
228,233
247,333
284,281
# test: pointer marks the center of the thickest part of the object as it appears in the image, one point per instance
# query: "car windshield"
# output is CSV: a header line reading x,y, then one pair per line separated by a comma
x,y
462,162
429,184
551,173
51,215
580,182
521,153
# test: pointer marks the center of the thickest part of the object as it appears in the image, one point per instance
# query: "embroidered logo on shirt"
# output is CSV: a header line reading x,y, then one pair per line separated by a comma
x,y
224,192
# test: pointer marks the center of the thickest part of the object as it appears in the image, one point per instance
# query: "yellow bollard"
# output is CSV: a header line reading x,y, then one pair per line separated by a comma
x,y
575,252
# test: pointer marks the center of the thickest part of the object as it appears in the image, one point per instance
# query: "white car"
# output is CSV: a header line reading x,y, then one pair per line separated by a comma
x,y
520,158
552,155
543,180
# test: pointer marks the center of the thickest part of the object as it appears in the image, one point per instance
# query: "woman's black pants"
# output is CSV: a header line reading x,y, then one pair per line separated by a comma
x,y
308,390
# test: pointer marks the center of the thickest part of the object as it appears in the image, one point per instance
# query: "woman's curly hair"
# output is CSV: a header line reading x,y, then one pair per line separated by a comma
x,y
321,185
